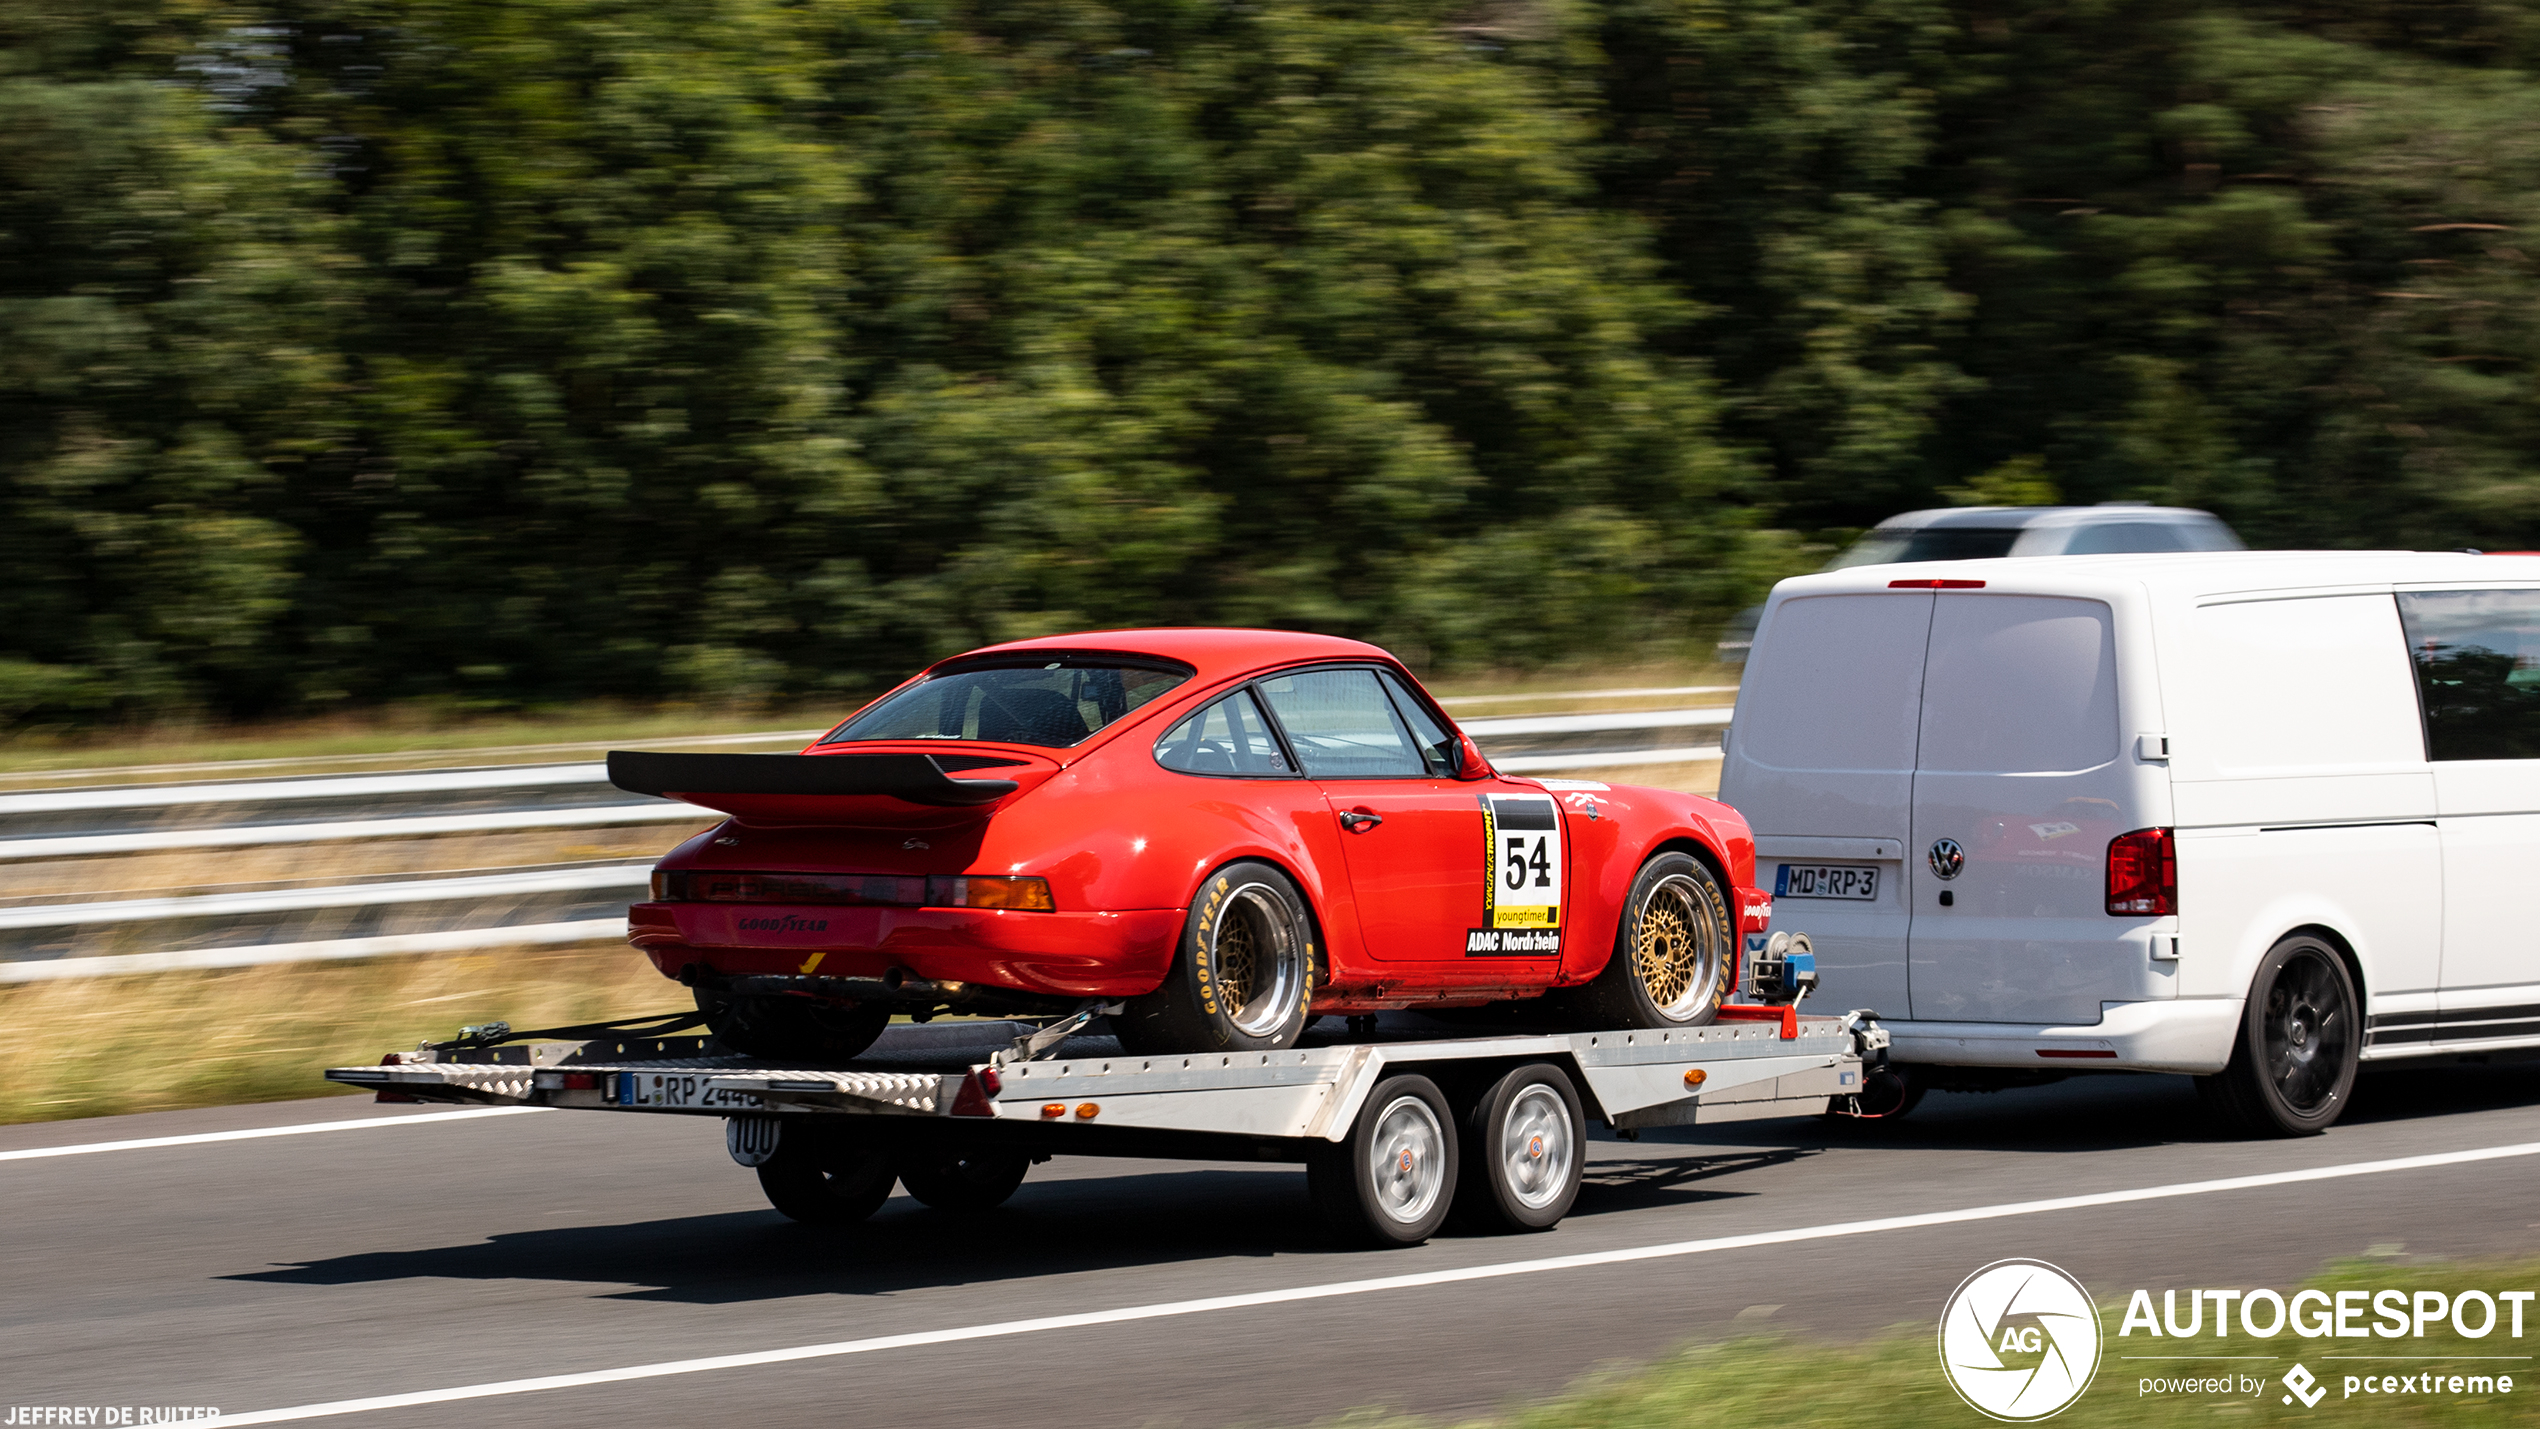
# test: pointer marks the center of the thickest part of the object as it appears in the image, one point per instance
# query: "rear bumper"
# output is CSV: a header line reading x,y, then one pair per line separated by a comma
x,y
2185,1034
1061,954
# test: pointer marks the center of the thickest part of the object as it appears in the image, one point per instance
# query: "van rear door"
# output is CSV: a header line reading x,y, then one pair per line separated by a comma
x,y
1820,760
2018,786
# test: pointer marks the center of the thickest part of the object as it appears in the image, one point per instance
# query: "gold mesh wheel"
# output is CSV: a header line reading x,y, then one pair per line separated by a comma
x,y
1258,960
1676,946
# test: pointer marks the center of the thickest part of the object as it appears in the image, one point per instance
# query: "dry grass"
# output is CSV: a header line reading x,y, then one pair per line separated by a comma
x,y
1896,1378
107,1046
160,874
405,738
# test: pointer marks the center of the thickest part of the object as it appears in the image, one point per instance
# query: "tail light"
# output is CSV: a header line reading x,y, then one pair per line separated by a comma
x,y
2143,874
869,889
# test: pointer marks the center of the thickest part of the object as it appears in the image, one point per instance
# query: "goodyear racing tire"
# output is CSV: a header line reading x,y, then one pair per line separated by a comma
x,y
1672,952
792,1029
962,1182
821,1178
2292,1069
1391,1181
1241,976
1525,1150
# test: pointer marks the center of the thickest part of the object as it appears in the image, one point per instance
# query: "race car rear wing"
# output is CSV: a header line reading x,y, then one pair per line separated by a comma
x,y
797,785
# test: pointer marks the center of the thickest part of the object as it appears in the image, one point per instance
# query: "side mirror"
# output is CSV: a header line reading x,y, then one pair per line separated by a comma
x,y
1471,764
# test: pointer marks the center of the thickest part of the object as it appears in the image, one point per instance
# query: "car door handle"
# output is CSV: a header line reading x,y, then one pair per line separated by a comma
x,y
1358,821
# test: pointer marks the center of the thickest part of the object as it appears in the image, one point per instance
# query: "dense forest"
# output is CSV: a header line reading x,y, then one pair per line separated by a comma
x,y
507,351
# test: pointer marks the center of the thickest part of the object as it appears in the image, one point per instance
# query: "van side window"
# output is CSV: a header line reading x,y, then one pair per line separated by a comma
x,y
2310,683
1838,684
2477,656
1228,739
2019,684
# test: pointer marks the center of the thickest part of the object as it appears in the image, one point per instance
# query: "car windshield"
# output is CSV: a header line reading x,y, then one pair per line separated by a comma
x,y
1929,543
1052,703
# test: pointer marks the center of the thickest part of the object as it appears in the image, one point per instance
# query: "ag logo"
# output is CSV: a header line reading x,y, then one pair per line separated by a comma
x,y
2019,1340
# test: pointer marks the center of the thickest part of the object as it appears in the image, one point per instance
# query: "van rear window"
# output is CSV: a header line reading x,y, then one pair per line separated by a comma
x,y
2019,685
1836,683
2477,656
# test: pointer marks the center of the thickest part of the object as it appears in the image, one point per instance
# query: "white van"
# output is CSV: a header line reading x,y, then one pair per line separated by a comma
x,y
2251,816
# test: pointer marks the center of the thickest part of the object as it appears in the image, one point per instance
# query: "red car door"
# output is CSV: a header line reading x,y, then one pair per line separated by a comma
x,y
1427,853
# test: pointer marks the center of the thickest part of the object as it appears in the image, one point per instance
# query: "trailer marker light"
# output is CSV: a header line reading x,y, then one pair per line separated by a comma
x,y
1935,585
1087,1111
1696,1077
1053,1108
582,1081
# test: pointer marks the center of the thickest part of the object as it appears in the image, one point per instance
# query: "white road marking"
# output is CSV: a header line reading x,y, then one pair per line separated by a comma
x,y
302,1129
1125,1315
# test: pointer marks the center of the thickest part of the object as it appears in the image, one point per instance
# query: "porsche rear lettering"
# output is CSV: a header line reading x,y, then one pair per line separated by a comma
x,y
787,924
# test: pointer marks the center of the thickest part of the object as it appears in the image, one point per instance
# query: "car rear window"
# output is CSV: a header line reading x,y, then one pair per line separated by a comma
x,y
1931,543
1054,703
2477,656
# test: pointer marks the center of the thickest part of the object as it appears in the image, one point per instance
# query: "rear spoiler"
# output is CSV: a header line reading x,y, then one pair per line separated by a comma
x,y
702,778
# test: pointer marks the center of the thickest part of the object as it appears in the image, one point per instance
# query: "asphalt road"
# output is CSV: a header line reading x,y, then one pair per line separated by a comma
x,y
269,1273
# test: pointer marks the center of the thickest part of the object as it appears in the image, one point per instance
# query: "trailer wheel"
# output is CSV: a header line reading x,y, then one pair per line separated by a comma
x,y
1670,966
826,1179
963,1182
1524,1152
1391,1181
2292,1068
1241,976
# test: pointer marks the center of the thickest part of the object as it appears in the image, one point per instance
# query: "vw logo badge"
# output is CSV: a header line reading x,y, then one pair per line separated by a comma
x,y
1947,858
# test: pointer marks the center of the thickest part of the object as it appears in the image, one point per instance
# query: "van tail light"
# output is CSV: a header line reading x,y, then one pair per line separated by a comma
x,y
1935,585
2143,874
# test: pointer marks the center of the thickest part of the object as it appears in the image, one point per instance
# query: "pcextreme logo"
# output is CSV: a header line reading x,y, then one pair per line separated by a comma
x,y
2019,1340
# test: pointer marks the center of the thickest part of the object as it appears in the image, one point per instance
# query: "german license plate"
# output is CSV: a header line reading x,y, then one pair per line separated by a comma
x,y
1826,880
676,1089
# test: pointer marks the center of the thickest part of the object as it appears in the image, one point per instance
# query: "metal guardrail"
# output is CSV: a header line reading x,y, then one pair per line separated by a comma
x,y
1517,744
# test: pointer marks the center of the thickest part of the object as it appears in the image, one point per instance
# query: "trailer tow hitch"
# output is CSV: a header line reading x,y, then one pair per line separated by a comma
x,y
1041,1043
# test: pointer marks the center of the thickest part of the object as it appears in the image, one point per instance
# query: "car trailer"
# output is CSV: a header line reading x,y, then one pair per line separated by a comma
x,y
1400,1122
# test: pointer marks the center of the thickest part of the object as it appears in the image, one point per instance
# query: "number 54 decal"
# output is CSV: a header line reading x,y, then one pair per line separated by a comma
x,y
1523,889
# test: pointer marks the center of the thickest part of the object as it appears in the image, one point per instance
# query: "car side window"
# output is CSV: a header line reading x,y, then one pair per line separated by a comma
x,y
1439,750
1342,726
2477,655
1229,739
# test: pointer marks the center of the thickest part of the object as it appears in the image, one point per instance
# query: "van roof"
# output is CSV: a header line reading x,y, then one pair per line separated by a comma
x,y
2191,573
2020,518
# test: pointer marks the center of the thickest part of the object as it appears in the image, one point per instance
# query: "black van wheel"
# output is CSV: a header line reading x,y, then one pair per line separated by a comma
x,y
2292,1070
1391,1181
1672,953
1241,976
821,1178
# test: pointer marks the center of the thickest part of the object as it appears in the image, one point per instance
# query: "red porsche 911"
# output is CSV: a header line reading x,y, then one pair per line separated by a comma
x,y
1227,832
